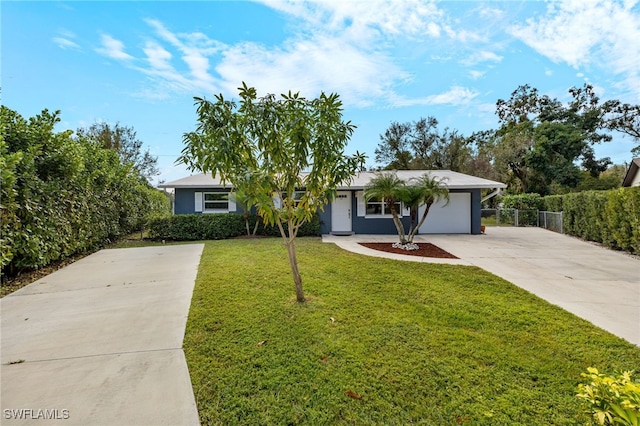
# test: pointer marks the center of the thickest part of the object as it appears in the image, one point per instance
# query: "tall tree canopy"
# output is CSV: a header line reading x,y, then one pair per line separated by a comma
x,y
624,118
124,141
541,140
287,152
420,145
543,145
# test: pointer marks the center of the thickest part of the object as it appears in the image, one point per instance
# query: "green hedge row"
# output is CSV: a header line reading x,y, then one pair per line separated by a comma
x,y
608,217
62,196
190,227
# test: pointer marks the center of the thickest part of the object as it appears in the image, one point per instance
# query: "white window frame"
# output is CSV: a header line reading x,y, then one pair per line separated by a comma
x,y
383,209
222,200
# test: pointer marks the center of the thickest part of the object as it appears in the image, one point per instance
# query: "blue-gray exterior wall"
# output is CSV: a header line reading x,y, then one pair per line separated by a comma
x,y
476,210
184,203
185,199
382,226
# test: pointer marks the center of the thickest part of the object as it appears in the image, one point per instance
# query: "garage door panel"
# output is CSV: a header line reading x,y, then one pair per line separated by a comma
x,y
453,218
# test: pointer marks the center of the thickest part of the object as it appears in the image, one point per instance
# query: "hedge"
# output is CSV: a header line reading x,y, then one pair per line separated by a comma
x,y
608,217
61,196
192,227
527,205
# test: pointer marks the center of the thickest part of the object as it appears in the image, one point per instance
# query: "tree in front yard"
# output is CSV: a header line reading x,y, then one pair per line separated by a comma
x,y
425,190
263,145
389,189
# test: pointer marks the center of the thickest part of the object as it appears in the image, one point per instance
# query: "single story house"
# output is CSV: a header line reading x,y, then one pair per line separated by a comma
x,y
350,213
632,178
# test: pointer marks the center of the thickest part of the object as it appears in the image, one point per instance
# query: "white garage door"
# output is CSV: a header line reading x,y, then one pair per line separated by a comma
x,y
454,218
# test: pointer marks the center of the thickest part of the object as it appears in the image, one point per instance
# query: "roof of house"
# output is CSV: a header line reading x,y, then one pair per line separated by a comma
x,y
453,180
629,178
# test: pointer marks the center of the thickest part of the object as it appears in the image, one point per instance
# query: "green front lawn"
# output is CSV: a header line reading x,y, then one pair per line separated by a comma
x,y
381,342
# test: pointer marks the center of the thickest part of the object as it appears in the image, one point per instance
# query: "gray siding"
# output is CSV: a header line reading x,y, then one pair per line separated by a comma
x,y
476,208
362,225
184,202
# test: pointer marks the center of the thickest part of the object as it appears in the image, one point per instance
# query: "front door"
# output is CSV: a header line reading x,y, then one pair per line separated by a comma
x,y
341,212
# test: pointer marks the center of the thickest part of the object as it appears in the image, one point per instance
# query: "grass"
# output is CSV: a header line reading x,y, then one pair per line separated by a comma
x,y
381,342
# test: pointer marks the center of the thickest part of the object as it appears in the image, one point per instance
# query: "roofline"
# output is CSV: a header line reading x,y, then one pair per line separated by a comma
x,y
213,184
635,165
190,186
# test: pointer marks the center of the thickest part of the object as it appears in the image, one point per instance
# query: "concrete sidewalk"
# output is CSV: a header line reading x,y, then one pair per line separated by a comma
x,y
100,341
594,283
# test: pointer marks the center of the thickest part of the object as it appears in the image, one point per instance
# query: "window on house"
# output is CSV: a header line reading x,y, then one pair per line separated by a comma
x,y
216,201
296,196
376,207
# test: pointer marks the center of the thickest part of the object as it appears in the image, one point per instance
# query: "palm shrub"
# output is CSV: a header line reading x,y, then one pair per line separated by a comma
x,y
388,188
425,190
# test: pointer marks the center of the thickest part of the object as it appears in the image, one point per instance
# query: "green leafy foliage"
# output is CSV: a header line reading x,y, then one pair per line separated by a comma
x,y
286,153
63,196
541,140
611,400
422,191
123,140
217,227
527,205
420,145
530,201
609,217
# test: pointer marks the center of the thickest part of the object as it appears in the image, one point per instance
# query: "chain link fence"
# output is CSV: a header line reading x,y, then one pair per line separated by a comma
x,y
515,217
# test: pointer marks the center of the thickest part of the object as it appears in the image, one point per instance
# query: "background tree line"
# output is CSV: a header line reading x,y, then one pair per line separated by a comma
x,y
63,194
542,145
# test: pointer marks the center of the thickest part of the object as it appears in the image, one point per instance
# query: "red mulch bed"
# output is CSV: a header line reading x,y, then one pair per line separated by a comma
x,y
425,250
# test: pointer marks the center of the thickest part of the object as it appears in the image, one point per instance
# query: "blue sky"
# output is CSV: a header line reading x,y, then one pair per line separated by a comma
x,y
141,63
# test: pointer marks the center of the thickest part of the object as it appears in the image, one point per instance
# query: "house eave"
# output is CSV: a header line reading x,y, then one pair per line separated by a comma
x,y
631,172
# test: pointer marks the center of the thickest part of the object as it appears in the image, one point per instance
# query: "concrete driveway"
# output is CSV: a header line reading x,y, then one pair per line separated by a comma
x,y
100,341
594,283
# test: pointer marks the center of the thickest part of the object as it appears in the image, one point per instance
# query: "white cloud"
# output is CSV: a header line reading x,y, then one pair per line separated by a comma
x,y
457,95
482,56
475,75
391,18
342,47
113,49
64,40
491,13
597,33
64,43
311,66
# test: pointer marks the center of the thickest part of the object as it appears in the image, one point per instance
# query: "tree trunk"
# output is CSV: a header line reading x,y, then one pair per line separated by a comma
x,y
289,242
399,226
255,228
414,231
297,279
246,222
412,224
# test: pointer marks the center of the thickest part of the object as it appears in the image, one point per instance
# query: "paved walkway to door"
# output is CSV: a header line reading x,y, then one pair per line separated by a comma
x,y
99,342
594,283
